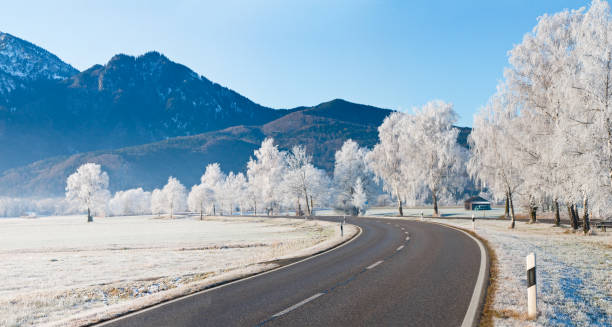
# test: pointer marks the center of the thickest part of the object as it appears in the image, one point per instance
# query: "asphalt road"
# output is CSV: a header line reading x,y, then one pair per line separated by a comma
x,y
396,273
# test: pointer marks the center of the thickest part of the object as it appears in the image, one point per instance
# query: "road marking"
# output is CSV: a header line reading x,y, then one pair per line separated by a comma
x,y
374,264
297,305
406,233
400,248
407,238
402,228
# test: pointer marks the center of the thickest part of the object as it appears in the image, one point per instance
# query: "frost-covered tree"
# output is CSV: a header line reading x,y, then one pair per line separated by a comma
x,y
213,180
88,188
359,198
199,197
170,199
204,195
350,165
437,158
388,161
265,174
301,179
231,193
130,202
494,161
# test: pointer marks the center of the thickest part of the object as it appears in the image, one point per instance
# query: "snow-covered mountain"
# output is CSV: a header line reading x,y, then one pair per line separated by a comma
x,y
128,101
22,62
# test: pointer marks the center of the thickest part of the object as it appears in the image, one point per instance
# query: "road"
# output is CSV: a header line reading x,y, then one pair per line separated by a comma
x,y
396,273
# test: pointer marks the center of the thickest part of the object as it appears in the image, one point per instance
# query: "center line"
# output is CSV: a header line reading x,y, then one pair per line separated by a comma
x,y
374,264
297,305
399,248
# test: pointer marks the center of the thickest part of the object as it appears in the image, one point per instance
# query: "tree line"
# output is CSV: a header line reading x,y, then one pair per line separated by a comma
x,y
545,136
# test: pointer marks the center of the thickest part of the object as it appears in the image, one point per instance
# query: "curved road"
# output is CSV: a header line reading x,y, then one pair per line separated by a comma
x,y
396,273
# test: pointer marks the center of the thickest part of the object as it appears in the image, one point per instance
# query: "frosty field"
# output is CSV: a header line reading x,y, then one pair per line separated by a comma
x,y
62,270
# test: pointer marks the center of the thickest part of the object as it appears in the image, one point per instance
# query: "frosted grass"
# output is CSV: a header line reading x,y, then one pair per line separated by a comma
x,y
63,270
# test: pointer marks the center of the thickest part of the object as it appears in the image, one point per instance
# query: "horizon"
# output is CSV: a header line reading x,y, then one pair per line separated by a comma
x,y
283,55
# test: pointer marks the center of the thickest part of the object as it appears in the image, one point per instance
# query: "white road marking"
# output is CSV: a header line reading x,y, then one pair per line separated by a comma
x,y
406,233
402,228
407,238
297,305
374,264
399,248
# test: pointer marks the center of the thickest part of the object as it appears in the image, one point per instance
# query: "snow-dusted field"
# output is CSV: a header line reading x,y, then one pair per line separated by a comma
x,y
573,272
62,270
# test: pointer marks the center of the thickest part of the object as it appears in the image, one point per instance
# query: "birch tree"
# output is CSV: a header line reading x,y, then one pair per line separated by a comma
x,y
494,162
437,159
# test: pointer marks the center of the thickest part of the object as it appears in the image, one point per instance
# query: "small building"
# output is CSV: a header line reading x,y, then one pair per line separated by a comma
x,y
477,203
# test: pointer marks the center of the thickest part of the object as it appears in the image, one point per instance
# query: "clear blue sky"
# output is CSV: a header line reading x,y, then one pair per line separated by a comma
x,y
392,54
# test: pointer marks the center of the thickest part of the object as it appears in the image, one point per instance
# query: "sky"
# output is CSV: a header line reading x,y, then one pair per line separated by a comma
x,y
283,54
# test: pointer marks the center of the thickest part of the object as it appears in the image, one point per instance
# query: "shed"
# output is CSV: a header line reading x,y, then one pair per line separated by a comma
x,y
477,203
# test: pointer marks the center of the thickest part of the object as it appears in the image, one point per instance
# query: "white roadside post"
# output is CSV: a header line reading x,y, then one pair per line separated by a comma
x,y
421,214
531,286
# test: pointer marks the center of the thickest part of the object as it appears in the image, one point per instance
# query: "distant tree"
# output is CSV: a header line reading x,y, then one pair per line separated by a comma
x,y
359,199
170,199
350,165
157,202
212,182
265,174
199,197
130,202
88,188
302,179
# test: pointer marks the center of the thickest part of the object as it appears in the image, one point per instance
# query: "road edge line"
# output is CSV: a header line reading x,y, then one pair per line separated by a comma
x,y
219,285
474,311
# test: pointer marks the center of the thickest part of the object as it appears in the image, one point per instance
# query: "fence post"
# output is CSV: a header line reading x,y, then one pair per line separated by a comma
x,y
531,286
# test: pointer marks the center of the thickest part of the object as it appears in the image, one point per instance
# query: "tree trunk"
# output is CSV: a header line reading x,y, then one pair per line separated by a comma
x,y
574,218
298,208
435,204
570,216
89,216
214,210
311,205
507,208
557,215
399,207
307,204
586,226
513,223
532,213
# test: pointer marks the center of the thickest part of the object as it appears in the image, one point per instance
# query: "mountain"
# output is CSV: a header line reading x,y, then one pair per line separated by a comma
x,y
128,101
22,63
322,129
